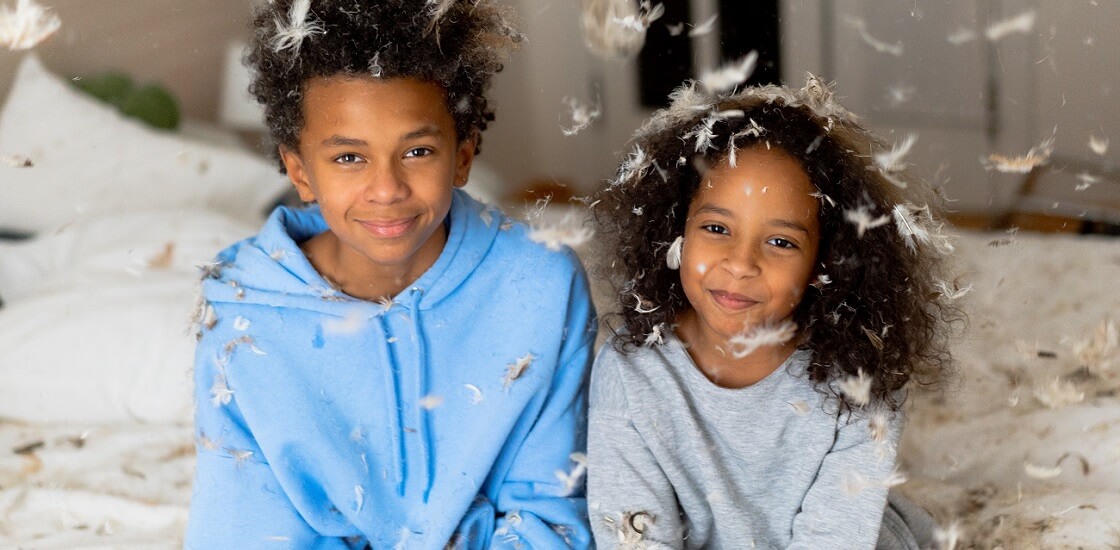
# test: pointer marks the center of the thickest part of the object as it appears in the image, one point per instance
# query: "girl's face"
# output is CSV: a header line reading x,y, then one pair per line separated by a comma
x,y
750,244
381,158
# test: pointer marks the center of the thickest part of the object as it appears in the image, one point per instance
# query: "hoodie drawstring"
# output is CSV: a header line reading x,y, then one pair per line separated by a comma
x,y
393,403
425,427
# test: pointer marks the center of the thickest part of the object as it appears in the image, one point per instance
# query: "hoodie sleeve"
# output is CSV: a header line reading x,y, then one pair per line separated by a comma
x,y
540,500
844,506
237,500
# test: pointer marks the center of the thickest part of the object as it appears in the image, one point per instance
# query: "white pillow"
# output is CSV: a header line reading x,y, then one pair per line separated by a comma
x,y
90,159
95,328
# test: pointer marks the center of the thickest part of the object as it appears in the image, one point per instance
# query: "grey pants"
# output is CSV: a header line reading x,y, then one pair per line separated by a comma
x,y
906,526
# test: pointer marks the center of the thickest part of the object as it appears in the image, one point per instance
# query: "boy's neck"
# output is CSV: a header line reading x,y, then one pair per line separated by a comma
x,y
364,280
714,359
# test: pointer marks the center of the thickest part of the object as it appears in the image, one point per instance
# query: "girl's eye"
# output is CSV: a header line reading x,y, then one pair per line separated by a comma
x,y
781,243
715,228
347,158
418,152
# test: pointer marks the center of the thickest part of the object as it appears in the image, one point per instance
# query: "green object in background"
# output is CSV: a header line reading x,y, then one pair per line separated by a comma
x,y
151,104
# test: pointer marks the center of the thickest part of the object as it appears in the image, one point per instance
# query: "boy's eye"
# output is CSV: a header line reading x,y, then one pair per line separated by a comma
x,y
347,158
781,243
418,152
715,228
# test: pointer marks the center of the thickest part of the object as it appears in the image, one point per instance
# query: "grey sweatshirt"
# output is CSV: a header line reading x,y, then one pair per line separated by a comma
x,y
675,461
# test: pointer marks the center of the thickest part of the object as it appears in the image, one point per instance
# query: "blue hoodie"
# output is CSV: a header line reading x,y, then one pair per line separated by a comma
x,y
455,415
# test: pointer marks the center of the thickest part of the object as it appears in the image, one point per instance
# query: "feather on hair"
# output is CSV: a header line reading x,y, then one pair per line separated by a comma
x,y
291,33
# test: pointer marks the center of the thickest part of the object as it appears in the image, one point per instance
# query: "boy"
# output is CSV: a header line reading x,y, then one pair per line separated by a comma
x,y
397,366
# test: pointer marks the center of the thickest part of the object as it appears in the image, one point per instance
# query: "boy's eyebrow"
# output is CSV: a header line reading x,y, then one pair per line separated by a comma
x,y
426,131
337,140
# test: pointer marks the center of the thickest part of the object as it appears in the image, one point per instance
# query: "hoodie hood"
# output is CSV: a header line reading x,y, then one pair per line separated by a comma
x,y
283,277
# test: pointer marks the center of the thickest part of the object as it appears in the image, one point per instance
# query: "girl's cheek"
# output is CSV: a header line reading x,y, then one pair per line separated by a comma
x,y
701,268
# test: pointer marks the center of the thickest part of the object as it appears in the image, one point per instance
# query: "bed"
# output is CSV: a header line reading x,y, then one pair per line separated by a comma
x,y
96,450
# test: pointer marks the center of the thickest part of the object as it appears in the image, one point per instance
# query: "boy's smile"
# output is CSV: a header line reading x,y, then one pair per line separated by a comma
x,y
381,158
750,244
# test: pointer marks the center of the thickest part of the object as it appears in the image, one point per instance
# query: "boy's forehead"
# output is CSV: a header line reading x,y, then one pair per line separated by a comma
x,y
357,100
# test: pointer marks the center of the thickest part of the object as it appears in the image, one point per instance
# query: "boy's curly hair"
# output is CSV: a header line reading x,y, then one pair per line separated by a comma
x,y
879,312
457,44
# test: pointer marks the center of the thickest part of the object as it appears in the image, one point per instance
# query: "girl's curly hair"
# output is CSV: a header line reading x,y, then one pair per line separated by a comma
x,y
879,311
457,44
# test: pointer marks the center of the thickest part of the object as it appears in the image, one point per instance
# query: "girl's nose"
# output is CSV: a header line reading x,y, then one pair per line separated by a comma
x,y
742,262
386,186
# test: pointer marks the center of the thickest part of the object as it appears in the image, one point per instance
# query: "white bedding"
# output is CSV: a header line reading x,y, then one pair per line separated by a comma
x,y
126,483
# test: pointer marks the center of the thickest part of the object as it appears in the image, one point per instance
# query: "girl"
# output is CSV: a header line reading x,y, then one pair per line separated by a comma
x,y
776,293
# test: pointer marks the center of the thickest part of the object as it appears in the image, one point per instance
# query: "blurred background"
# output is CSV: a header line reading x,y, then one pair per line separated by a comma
x,y
922,67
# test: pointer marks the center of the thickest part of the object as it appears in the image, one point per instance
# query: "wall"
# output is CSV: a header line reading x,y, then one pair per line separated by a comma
x,y
178,43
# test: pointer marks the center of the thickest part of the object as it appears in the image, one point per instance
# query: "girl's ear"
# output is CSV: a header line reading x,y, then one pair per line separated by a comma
x,y
464,157
297,173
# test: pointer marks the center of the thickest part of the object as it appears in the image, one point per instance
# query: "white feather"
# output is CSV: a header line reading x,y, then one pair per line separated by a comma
x,y
730,75
673,255
857,388
27,25
1022,23
880,46
746,342
704,28
291,33
892,161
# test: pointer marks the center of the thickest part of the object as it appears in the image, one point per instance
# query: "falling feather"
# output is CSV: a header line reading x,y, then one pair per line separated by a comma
x,y
961,36
673,255
291,33
704,133
856,483
909,229
952,293
27,25
880,46
1098,145
1086,180
861,218
581,115
730,75
948,537
892,161
1022,23
1037,156
240,324
746,342
704,28
555,237
857,388
616,29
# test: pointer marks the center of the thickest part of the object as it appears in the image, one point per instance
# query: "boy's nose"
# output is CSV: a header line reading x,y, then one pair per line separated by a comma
x,y
386,186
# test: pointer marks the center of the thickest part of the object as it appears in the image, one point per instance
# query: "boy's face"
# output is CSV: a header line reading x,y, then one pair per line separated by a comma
x,y
381,158
750,244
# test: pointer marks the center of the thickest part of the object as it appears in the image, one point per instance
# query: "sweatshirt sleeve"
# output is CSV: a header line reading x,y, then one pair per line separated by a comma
x,y
237,501
844,506
629,496
540,500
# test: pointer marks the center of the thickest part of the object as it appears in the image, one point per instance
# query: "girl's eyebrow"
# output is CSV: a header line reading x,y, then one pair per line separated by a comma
x,y
789,224
713,209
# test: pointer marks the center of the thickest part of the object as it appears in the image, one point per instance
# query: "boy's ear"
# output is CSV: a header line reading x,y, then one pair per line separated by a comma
x,y
293,164
464,158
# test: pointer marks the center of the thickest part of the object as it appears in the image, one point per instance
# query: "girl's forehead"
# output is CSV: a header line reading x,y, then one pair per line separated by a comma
x,y
758,171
